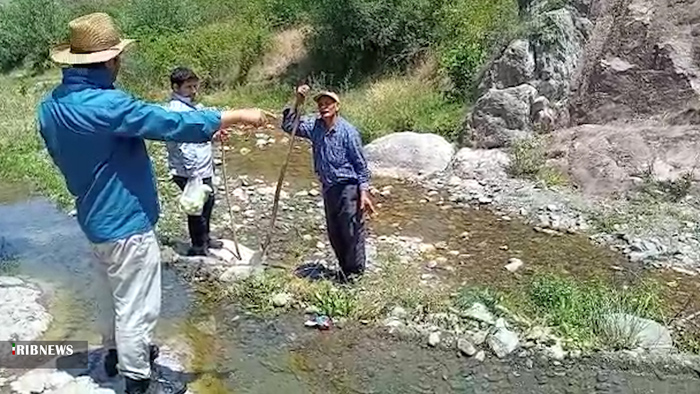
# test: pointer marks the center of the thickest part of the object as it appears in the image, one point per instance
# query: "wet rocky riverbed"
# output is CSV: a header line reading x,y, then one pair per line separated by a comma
x,y
221,348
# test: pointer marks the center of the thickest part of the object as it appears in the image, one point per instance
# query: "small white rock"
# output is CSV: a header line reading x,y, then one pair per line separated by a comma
x,y
281,299
514,264
434,339
480,356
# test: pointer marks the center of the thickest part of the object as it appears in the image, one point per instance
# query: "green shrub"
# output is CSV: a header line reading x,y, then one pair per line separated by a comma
x,y
468,33
150,18
220,53
28,28
401,104
357,37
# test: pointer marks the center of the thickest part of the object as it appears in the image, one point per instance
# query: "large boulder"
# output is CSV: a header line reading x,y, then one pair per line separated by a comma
x,y
480,164
502,116
515,67
409,155
647,63
558,46
606,159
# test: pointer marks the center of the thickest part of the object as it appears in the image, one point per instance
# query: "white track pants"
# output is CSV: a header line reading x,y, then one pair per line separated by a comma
x,y
129,271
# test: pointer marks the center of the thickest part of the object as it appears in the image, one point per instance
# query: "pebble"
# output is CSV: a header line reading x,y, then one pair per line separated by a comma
x,y
485,200
454,253
514,264
434,339
466,347
281,299
307,237
432,264
320,245
480,356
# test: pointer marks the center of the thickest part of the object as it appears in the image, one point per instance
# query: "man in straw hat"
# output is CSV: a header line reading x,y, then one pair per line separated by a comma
x,y
339,162
95,135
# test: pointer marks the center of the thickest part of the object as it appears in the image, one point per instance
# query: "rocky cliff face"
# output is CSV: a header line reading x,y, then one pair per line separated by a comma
x,y
631,67
527,88
597,62
645,65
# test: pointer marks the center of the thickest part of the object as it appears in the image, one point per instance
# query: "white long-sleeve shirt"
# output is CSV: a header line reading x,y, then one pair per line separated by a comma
x,y
189,159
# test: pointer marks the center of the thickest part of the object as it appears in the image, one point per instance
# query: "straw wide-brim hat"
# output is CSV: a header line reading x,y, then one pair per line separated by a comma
x,y
94,38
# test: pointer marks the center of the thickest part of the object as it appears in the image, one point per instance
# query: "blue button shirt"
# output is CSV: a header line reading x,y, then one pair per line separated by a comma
x,y
95,136
338,153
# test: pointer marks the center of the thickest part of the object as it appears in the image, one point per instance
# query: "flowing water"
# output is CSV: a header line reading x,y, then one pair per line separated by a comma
x,y
233,352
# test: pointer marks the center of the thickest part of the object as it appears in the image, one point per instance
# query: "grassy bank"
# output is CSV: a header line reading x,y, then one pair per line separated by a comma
x,y
24,158
575,309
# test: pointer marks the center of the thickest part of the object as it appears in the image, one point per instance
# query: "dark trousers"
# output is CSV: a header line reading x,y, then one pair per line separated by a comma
x,y
199,225
346,227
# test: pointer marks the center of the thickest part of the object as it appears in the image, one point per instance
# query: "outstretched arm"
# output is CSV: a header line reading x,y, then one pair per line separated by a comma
x,y
150,121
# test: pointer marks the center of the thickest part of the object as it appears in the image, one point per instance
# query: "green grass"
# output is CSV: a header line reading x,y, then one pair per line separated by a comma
x,y
388,105
578,309
24,159
528,160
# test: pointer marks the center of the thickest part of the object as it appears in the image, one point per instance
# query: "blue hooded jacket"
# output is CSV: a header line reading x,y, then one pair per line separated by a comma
x,y
95,136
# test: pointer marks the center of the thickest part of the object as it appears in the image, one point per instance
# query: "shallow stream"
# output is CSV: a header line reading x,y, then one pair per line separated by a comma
x,y
231,352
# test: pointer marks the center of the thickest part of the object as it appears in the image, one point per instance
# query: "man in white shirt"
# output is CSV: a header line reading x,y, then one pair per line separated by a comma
x,y
189,160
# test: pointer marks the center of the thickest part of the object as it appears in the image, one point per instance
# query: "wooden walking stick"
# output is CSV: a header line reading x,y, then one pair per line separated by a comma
x,y
275,204
232,224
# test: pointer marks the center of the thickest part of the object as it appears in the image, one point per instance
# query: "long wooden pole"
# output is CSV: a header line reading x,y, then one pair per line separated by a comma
x,y
275,204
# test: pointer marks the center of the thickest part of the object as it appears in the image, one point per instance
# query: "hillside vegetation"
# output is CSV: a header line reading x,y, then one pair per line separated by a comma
x,y
404,64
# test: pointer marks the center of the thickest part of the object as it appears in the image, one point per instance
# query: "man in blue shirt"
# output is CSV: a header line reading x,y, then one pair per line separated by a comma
x,y
95,135
340,165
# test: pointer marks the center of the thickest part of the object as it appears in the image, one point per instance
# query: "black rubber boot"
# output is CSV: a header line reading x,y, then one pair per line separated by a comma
x,y
215,244
112,359
161,383
138,386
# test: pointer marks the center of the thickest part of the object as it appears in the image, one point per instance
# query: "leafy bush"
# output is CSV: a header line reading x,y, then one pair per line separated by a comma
x,y
28,28
357,37
151,18
220,53
401,104
468,33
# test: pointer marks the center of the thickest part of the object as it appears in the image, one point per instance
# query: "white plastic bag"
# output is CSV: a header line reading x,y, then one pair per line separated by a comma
x,y
194,196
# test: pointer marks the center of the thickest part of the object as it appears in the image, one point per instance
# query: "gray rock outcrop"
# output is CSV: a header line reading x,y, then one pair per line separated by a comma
x,y
409,155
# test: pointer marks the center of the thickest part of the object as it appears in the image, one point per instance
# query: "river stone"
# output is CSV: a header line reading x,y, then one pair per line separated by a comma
x,y
480,356
514,264
644,333
480,312
466,347
434,339
556,351
503,342
515,67
502,116
480,164
281,299
40,380
399,313
409,155
22,317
